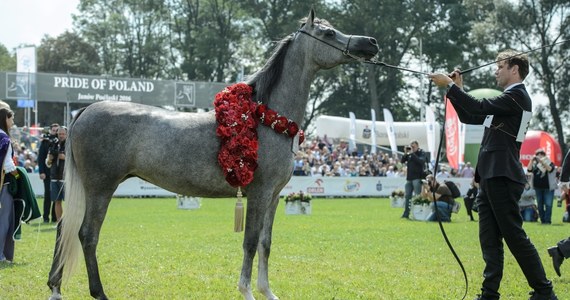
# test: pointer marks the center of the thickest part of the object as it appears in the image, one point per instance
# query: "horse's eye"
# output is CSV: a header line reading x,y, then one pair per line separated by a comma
x,y
330,33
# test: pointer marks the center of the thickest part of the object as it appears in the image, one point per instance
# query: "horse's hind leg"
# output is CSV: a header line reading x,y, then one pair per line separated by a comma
x,y
89,237
264,249
54,280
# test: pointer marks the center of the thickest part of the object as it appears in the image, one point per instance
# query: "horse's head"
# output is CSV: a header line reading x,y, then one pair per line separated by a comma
x,y
332,47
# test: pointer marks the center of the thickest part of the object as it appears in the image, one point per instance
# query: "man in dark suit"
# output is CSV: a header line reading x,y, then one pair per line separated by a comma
x,y
49,207
499,172
562,248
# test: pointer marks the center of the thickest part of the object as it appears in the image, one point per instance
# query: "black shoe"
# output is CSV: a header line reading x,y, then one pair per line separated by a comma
x,y
557,259
536,296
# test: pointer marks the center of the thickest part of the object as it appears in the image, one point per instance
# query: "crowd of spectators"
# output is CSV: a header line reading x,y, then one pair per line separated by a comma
x,y
320,158
26,146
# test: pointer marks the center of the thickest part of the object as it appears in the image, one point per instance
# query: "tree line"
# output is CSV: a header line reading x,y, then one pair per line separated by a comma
x,y
221,40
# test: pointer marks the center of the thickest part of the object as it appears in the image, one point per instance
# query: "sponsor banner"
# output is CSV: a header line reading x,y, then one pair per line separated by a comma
x,y
354,186
316,186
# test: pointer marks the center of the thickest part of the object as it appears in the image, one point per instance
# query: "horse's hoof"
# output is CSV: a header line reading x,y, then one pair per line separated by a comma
x,y
55,297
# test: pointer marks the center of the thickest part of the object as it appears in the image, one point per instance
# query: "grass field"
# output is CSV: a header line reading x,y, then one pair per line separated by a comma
x,y
347,249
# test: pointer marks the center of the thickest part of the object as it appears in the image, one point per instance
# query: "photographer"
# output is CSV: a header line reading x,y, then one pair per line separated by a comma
x,y
544,184
49,137
56,162
415,158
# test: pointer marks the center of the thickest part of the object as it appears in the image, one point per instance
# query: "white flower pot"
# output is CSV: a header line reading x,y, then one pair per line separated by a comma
x,y
186,202
397,201
420,212
297,207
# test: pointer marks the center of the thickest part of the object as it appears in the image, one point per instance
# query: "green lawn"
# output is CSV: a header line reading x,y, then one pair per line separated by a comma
x,y
347,249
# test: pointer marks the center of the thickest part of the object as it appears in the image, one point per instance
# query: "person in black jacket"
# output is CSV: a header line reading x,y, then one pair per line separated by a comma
x,y
499,173
416,160
49,208
562,248
56,163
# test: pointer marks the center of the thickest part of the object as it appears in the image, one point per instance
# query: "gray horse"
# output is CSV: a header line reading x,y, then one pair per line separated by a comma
x,y
109,142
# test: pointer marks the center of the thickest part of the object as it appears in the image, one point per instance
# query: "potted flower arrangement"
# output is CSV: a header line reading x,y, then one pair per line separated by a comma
x,y
397,198
420,208
298,203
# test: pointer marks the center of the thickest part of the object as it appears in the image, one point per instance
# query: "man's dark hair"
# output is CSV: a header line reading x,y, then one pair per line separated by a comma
x,y
513,58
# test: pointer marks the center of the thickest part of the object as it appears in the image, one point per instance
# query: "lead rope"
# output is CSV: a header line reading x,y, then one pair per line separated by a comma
x,y
435,168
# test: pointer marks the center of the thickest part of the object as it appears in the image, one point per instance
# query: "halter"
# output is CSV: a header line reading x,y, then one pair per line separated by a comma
x,y
344,51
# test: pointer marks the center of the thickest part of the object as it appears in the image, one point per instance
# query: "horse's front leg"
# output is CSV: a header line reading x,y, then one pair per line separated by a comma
x,y
264,249
256,208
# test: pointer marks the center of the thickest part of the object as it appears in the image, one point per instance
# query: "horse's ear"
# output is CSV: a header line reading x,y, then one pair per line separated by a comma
x,y
311,17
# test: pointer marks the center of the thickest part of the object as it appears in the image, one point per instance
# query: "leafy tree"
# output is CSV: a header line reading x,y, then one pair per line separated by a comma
x,y
205,34
7,61
67,53
130,36
533,24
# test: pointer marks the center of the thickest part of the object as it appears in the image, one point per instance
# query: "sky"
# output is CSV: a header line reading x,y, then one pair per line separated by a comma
x,y
53,17
27,21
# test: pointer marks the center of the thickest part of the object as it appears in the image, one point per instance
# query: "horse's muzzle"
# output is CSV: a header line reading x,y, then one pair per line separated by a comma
x,y
363,46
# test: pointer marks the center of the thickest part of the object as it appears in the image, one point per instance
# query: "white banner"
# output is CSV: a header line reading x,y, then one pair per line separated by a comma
x,y
430,131
389,122
373,133
26,60
352,136
338,128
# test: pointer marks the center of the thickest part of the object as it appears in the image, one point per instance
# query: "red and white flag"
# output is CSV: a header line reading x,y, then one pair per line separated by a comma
x,y
452,143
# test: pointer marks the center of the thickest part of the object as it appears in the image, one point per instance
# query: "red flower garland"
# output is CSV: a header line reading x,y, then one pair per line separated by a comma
x,y
237,116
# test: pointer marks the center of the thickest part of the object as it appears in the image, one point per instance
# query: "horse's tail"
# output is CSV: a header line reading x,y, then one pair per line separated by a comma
x,y
69,246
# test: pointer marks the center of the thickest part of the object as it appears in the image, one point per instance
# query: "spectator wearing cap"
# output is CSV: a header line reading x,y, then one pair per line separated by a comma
x,y
544,184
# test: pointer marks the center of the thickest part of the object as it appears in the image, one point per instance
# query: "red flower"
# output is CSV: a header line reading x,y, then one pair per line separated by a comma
x,y
260,110
269,117
292,129
281,124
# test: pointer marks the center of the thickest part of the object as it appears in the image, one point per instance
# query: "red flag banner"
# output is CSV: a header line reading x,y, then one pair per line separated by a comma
x,y
451,135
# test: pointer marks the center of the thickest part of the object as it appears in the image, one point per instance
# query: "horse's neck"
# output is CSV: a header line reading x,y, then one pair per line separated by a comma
x,y
290,95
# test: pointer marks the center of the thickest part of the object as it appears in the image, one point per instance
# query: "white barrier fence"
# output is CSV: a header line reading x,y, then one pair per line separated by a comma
x,y
316,186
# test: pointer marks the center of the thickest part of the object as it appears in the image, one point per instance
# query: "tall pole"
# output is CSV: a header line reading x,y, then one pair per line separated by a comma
x,y
422,108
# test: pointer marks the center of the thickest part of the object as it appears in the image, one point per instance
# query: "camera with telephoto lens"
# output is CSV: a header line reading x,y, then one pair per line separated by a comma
x,y
47,136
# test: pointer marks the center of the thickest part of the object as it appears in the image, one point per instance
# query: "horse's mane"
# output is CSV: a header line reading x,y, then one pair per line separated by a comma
x,y
265,79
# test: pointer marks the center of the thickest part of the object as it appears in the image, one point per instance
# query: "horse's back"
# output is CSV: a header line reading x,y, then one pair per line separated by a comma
x,y
174,150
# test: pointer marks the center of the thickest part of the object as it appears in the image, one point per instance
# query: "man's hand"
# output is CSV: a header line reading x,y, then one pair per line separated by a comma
x,y
440,79
443,80
42,176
